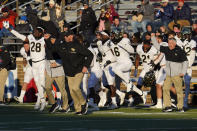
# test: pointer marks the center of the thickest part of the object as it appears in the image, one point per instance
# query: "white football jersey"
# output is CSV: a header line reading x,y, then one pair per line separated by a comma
x,y
37,48
106,51
146,57
188,46
24,54
123,50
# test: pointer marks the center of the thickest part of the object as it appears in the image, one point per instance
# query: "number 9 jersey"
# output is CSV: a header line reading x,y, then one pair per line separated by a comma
x,y
37,48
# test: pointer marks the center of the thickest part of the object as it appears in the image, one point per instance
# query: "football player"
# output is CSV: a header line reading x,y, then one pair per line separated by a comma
x,y
147,53
189,46
37,54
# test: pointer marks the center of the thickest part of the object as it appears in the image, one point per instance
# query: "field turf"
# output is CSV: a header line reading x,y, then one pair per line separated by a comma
x,y
22,117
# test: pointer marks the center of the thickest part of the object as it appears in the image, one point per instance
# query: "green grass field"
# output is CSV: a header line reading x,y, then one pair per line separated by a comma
x,y
22,117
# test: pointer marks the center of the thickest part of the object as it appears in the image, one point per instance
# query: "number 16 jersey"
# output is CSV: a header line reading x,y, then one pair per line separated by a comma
x,y
37,48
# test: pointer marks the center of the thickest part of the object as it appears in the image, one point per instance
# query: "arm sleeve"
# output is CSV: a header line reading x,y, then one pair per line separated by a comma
x,y
18,35
159,58
155,43
192,58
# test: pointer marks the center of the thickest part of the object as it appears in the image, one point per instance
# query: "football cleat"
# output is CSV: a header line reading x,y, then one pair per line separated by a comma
x,y
37,106
54,107
84,109
167,109
42,106
143,96
157,106
93,105
122,96
18,99
113,106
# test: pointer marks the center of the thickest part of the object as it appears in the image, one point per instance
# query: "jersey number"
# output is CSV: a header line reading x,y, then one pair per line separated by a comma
x,y
117,53
36,47
187,50
144,58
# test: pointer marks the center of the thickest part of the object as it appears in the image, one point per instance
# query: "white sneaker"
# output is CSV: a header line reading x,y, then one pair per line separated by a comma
x,y
113,106
143,96
92,105
42,106
157,106
18,99
122,96
37,106
103,99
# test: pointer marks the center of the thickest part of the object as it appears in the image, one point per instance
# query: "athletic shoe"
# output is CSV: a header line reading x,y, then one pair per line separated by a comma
x,y
37,106
143,96
78,113
167,109
113,106
173,103
180,110
84,109
54,107
103,99
157,106
2,103
18,99
65,110
122,96
42,106
93,105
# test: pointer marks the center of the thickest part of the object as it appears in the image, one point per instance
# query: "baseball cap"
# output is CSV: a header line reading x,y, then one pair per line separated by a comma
x,y
5,9
23,18
85,2
68,33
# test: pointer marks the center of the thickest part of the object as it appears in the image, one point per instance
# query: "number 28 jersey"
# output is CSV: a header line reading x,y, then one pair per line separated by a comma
x,y
37,48
146,57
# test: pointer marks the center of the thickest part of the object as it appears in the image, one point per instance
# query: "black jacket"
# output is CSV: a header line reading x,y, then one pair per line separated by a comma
x,y
175,55
88,20
4,57
74,56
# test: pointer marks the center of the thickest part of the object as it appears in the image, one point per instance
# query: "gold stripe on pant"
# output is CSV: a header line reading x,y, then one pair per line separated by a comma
x,y
3,78
178,81
75,91
61,85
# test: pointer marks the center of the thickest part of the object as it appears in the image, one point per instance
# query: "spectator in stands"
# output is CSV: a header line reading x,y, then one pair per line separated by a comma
x,y
149,31
194,31
182,15
55,14
23,25
165,13
119,27
145,15
136,38
4,63
104,23
163,32
88,22
7,15
111,13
